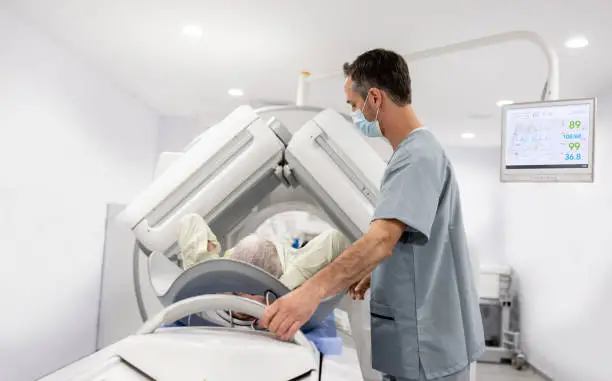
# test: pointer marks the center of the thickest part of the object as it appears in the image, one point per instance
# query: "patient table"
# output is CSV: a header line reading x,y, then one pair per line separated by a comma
x,y
207,353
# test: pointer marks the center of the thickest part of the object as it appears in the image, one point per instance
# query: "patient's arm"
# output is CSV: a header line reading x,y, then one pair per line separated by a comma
x,y
318,253
196,241
197,252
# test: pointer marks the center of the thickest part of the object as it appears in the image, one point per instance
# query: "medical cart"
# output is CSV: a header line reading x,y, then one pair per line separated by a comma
x,y
499,309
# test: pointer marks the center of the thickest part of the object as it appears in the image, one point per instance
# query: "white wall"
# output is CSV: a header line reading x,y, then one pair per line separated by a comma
x,y
176,132
559,241
69,143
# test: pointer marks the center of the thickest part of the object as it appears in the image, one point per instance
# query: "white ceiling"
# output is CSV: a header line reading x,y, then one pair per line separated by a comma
x,y
260,47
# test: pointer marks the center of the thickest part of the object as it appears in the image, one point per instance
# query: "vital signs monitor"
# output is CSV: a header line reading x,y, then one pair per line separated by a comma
x,y
549,141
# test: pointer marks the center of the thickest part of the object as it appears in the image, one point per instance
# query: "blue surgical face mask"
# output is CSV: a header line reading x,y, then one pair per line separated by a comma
x,y
369,129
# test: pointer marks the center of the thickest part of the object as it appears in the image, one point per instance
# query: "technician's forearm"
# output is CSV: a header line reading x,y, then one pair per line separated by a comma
x,y
354,264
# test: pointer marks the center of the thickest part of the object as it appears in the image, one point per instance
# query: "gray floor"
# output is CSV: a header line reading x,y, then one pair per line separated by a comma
x,y
493,372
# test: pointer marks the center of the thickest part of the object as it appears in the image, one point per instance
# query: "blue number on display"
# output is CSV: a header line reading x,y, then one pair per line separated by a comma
x,y
572,136
570,156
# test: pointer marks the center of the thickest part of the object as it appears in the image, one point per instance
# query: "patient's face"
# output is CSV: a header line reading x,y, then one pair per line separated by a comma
x,y
257,298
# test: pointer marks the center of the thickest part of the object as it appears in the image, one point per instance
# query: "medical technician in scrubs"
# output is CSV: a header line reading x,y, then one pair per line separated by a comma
x,y
425,318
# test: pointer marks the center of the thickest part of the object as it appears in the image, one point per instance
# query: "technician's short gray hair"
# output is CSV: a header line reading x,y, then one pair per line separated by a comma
x,y
384,70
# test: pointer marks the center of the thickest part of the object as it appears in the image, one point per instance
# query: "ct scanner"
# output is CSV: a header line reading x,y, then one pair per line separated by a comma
x,y
235,175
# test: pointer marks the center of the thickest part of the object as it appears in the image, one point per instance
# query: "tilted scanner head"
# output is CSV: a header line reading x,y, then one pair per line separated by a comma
x,y
228,168
233,165
237,162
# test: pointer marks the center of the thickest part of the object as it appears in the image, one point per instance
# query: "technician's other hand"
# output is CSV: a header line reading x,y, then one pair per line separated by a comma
x,y
357,291
289,313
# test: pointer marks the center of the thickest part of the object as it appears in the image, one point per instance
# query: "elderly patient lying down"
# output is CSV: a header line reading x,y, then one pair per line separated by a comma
x,y
291,266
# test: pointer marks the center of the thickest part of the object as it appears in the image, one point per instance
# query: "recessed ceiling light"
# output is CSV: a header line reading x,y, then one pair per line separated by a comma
x,y
577,42
235,92
193,31
468,135
504,103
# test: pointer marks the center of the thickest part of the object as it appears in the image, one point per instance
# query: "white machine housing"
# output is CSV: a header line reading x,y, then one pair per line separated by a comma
x,y
234,156
228,170
339,168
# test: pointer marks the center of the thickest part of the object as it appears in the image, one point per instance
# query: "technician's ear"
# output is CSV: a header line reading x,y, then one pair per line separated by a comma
x,y
377,96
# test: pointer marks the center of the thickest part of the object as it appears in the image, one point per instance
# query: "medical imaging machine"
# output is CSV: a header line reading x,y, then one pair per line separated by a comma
x,y
224,176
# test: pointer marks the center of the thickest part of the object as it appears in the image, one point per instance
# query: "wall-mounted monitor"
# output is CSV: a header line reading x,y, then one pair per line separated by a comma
x,y
549,141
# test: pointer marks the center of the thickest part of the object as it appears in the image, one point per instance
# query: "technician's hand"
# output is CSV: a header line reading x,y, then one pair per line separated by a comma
x,y
357,291
289,313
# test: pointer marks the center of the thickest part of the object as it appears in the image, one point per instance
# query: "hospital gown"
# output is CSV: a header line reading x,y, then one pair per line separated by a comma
x,y
298,264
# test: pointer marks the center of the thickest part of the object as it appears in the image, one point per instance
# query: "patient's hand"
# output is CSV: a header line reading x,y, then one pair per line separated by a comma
x,y
211,246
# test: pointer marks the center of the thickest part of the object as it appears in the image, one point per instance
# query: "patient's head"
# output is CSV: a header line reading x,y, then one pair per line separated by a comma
x,y
258,252
261,253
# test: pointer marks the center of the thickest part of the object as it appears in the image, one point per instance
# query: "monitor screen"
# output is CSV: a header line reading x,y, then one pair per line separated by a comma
x,y
548,141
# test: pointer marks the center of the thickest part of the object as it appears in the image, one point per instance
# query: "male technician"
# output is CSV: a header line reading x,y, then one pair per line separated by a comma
x,y
425,318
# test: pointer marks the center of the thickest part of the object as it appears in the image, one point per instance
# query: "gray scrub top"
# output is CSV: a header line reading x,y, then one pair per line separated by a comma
x,y
424,304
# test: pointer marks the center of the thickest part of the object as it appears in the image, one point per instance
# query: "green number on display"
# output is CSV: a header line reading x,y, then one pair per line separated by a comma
x,y
574,124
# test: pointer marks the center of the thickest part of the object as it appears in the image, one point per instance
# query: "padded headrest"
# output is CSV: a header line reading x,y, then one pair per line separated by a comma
x,y
226,275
